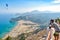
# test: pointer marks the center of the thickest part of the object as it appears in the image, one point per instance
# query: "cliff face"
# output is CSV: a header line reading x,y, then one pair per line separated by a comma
x,y
23,30
40,35
35,35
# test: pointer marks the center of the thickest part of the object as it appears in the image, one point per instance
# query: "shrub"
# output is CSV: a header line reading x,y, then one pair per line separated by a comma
x,y
0,38
8,38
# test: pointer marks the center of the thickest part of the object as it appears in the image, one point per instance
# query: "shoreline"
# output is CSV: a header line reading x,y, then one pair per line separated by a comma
x,y
9,29
20,28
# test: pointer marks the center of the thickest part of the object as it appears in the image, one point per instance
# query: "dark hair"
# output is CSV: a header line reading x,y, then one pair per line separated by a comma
x,y
49,27
52,20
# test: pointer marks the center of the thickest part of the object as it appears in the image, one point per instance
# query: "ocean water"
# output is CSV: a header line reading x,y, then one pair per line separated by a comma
x,y
5,25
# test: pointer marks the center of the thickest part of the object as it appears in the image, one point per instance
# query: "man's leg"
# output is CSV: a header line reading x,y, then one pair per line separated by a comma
x,y
57,37
54,37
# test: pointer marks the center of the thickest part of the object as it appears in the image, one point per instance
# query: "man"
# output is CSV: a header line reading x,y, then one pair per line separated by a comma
x,y
50,31
56,26
55,29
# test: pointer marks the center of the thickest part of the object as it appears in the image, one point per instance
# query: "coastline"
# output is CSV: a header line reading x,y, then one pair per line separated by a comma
x,y
21,28
9,27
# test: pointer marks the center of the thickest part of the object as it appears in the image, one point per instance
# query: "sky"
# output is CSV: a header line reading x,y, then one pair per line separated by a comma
x,y
21,6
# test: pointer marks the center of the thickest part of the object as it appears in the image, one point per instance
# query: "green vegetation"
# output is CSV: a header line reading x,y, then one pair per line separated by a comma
x,y
57,20
0,38
8,38
22,37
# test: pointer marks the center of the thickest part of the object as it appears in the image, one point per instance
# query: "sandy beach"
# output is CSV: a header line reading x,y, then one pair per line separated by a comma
x,y
21,27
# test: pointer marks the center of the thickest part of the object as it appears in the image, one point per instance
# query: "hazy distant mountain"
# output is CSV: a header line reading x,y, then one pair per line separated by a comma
x,y
37,16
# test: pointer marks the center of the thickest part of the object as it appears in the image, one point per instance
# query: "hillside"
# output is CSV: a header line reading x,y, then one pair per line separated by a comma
x,y
22,27
30,32
41,35
37,17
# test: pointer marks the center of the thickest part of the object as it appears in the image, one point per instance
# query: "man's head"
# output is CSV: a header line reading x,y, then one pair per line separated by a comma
x,y
51,21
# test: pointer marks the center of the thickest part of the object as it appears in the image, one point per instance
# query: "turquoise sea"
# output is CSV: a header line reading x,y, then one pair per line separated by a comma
x,y
5,25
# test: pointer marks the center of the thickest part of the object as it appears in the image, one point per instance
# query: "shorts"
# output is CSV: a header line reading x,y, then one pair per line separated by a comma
x,y
56,34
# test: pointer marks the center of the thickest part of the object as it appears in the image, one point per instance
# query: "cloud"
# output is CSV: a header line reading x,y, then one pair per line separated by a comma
x,y
56,1
51,8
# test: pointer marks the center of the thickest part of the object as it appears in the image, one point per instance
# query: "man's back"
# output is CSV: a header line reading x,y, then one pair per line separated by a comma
x,y
56,26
